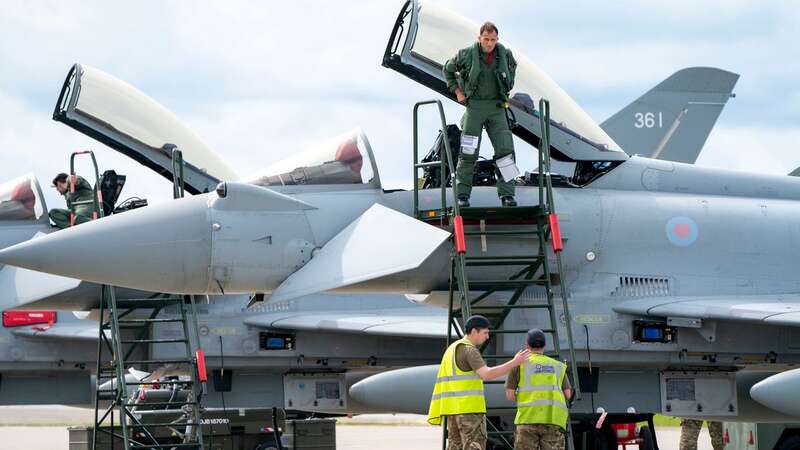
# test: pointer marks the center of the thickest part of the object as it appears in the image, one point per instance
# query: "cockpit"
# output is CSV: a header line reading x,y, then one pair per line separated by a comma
x,y
344,160
21,199
425,36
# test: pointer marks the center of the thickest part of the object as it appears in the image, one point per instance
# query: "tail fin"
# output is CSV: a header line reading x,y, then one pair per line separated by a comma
x,y
673,120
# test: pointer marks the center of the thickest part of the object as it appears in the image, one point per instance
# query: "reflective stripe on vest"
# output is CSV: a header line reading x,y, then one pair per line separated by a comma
x,y
540,399
456,391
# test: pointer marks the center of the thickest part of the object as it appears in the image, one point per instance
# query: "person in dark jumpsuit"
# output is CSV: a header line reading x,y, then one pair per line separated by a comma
x,y
481,76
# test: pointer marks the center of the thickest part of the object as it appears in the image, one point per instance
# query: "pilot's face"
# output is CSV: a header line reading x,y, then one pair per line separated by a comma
x,y
61,187
488,41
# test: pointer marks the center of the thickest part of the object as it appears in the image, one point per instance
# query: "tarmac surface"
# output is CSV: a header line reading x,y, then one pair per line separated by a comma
x,y
45,428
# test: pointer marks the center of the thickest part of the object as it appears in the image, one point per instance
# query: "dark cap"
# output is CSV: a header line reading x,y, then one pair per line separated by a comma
x,y
476,322
536,338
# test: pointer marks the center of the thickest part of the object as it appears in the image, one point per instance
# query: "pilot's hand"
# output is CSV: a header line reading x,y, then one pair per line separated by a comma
x,y
511,395
461,97
521,357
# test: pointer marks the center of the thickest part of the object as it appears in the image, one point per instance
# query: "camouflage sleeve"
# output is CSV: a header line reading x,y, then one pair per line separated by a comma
x,y
512,67
513,378
451,66
83,184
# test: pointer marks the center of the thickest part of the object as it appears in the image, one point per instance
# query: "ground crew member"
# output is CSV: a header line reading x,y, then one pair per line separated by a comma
x,y
83,192
690,431
458,393
481,76
541,389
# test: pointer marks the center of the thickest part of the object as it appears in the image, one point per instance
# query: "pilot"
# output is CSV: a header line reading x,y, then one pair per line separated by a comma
x,y
83,193
541,390
481,76
690,431
458,393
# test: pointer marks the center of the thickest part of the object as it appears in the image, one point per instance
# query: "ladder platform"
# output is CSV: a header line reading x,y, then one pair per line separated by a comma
x,y
503,215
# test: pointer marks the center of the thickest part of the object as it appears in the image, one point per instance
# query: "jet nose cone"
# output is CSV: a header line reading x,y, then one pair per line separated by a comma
x,y
162,248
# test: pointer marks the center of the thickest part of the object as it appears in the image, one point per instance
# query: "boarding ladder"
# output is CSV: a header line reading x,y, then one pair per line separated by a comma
x,y
527,270
124,417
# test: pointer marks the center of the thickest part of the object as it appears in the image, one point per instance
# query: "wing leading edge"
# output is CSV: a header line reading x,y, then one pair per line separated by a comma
x,y
779,309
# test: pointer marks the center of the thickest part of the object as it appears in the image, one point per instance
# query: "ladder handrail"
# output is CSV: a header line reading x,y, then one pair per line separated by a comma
x,y
444,164
98,209
544,108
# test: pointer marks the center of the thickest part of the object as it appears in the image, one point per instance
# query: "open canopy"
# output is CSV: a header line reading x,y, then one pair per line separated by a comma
x,y
425,36
345,159
122,117
21,199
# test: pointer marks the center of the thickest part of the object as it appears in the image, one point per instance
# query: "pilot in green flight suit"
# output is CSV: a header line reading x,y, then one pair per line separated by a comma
x,y
83,192
481,76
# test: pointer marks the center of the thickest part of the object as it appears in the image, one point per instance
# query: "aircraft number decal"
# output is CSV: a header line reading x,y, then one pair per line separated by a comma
x,y
648,120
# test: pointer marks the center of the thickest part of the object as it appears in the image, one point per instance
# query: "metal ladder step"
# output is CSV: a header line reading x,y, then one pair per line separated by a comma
x,y
158,383
493,308
153,341
166,446
146,321
162,424
149,404
485,261
134,362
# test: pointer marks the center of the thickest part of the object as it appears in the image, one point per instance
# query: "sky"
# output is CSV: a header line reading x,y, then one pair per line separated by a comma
x,y
261,80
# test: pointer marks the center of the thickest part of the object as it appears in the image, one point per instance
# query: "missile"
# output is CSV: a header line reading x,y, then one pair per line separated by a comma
x,y
242,238
409,391
779,392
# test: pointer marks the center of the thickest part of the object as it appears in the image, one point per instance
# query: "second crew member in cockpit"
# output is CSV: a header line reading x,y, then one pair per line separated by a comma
x,y
481,76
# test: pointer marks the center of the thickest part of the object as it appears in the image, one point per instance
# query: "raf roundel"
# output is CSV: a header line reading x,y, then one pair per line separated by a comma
x,y
682,231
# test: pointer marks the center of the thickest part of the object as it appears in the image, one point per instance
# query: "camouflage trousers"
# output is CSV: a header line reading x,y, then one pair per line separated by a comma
x,y
690,430
61,217
539,437
466,432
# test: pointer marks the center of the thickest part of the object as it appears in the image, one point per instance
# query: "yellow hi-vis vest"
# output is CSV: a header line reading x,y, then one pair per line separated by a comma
x,y
456,391
540,399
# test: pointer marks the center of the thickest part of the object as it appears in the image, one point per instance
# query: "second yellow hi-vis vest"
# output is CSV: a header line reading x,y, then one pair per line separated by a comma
x,y
456,391
540,399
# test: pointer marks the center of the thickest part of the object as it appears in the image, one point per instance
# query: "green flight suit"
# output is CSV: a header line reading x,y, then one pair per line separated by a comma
x,y
486,87
83,212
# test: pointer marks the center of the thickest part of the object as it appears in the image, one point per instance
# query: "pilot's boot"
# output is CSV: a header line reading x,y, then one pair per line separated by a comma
x,y
508,200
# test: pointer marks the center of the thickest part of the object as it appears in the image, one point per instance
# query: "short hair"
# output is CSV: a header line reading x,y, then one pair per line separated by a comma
x,y
488,27
536,338
60,178
476,322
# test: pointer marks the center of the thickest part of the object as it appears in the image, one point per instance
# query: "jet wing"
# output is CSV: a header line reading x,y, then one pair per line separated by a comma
x,y
122,117
380,242
783,309
431,323
23,287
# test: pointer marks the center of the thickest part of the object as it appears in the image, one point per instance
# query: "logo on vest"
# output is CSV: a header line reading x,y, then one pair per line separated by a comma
x,y
539,368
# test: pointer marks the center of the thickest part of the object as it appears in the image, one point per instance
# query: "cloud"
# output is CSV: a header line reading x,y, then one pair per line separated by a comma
x,y
261,80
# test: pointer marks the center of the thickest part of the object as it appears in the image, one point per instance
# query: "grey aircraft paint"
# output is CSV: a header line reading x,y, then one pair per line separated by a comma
x,y
643,231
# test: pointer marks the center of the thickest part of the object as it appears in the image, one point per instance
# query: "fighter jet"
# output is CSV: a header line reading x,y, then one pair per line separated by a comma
x,y
658,265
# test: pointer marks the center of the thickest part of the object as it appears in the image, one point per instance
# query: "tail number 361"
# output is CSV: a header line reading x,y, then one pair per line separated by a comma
x,y
648,120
